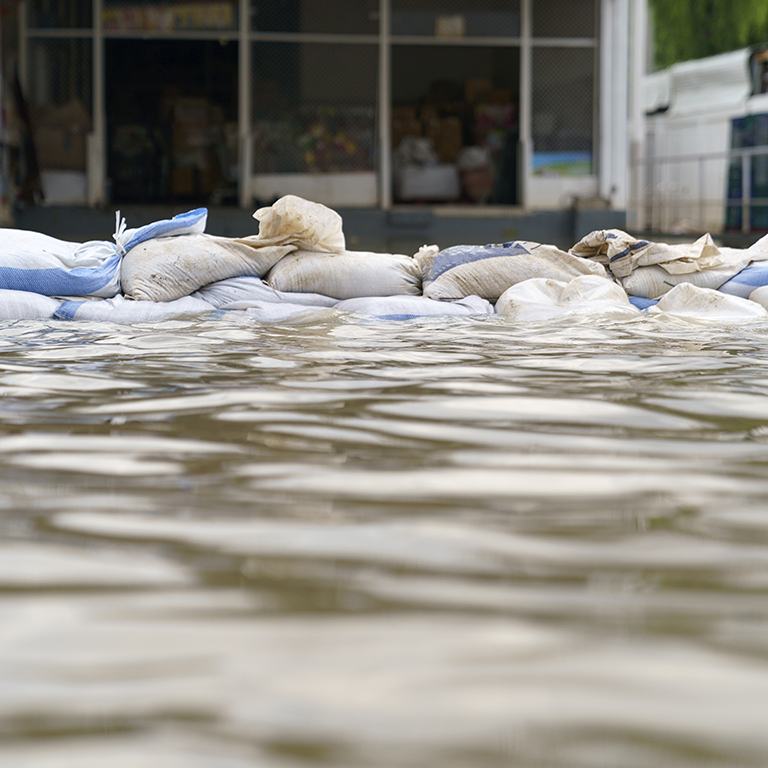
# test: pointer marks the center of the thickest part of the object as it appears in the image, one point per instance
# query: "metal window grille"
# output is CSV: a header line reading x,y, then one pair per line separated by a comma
x,y
314,107
563,110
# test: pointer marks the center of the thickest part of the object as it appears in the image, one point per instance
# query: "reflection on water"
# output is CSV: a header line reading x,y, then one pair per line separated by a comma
x,y
446,542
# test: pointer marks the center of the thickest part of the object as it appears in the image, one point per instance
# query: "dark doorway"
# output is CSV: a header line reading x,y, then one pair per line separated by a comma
x,y
171,121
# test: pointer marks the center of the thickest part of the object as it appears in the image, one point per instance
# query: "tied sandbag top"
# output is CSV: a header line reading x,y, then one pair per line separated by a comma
x,y
307,225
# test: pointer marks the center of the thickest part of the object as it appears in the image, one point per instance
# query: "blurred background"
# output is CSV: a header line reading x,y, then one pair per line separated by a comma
x,y
517,117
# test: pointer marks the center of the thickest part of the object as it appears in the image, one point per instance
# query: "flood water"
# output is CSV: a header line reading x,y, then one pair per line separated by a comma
x,y
435,543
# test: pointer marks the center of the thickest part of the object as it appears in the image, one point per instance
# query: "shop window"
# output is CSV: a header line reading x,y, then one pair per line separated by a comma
x,y
564,18
455,124
172,125
314,107
360,17
456,18
563,111
66,14
158,16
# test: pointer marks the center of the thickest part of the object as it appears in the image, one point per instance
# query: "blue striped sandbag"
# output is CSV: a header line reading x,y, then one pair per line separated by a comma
x,y
754,275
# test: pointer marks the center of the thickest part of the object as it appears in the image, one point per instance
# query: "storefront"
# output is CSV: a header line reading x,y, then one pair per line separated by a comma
x,y
355,103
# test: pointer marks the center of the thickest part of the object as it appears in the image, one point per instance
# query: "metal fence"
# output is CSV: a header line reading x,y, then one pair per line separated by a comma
x,y
708,192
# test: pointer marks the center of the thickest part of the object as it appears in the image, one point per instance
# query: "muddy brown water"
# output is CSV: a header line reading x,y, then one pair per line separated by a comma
x,y
435,543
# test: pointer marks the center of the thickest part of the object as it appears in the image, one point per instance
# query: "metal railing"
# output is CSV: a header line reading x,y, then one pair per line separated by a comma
x,y
705,192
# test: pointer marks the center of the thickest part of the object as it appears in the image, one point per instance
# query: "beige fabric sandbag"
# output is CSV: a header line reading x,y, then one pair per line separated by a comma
x,y
308,225
488,271
168,268
650,269
346,275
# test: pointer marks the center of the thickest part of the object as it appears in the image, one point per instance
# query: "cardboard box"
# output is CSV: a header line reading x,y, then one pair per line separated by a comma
x,y
60,135
60,149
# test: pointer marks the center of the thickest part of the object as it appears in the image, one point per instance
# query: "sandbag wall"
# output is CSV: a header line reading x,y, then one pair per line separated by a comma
x,y
298,263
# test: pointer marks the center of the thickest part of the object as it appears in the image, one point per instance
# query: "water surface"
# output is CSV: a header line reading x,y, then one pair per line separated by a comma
x,y
337,542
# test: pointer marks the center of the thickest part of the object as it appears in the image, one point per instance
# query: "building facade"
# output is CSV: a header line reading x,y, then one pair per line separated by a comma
x,y
354,103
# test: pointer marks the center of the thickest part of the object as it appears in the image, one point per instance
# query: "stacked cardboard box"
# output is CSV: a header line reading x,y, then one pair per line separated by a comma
x,y
60,133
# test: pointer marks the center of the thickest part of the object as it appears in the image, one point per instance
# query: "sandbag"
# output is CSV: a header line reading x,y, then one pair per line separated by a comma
x,y
346,275
188,223
31,261
691,302
760,296
122,310
168,268
653,282
310,226
544,299
650,269
409,307
489,270
270,312
745,282
26,305
641,303
242,292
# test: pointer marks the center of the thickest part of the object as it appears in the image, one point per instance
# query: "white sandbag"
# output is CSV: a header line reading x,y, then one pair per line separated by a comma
x,y
650,270
346,275
689,301
242,292
270,312
26,305
489,270
409,307
191,222
760,296
653,282
310,226
31,261
167,268
545,299
122,310
745,282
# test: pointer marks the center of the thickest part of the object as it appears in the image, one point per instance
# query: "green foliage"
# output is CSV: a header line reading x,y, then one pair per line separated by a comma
x,y
693,29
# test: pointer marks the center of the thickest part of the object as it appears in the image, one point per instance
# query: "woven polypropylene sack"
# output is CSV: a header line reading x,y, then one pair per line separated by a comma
x,y
168,268
489,270
346,275
409,307
31,261
243,292
122,310
703,304
26,305
544,299
308,225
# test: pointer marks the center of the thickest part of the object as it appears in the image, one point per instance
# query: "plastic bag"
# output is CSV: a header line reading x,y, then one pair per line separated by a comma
x,y
489,270
346,275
